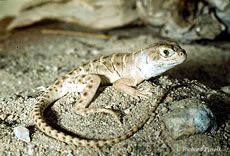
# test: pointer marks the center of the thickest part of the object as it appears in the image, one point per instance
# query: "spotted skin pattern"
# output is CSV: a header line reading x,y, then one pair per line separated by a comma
x,y
124,71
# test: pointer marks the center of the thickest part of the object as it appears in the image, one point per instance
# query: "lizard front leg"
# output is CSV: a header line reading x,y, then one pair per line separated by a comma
x,y
93,82
125,85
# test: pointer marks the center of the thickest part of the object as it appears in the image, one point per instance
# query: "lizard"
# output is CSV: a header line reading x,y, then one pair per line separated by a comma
x,y
123,70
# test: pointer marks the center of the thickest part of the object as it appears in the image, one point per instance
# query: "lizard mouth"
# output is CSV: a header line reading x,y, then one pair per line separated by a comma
x,y
179,59
176,61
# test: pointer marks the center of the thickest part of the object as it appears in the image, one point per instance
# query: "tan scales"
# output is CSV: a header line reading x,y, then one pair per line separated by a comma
x,y
124,71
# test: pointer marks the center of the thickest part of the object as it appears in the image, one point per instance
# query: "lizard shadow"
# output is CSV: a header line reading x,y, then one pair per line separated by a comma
x,y
52,120
220,108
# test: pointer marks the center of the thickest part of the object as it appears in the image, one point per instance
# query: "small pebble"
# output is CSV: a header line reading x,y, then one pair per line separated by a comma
x,y
70,51
83,53
127,111
41,89
54,68
22,133
30,149
69,154
95,52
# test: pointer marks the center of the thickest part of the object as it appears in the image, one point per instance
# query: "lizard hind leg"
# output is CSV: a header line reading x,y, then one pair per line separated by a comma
x,y
93,82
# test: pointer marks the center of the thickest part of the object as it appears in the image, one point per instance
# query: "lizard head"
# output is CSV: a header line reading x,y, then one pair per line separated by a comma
x,y
160,57
166,53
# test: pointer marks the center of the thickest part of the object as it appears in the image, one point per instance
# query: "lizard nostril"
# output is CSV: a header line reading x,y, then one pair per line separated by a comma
x,y
181,53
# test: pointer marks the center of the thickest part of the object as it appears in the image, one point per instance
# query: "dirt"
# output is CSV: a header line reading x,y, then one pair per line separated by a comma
x,y
30,61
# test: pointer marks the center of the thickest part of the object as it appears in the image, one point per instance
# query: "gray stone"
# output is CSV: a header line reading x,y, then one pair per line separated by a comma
x,y
189,117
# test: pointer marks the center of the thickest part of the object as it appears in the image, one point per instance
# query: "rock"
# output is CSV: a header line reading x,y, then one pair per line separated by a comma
x,y
152,12
220,4
95,14
226,89
222,10
22,133
184,20
189,117
224,16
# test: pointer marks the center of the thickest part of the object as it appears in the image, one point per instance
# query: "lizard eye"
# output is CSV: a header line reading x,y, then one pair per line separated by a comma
x,y
166,53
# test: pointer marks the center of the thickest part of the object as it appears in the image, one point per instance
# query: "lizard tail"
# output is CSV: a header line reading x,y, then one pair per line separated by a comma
x,y
44,102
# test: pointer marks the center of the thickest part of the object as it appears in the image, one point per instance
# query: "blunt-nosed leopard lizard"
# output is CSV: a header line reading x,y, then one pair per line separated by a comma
x,y
124,71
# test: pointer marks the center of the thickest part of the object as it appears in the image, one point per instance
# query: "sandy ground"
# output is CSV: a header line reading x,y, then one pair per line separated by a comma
x,y
30,61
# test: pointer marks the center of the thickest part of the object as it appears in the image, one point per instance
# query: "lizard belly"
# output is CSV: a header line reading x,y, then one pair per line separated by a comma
x,y
134,72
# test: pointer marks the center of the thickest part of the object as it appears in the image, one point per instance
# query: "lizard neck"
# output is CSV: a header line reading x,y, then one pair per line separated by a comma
x,y
149,68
